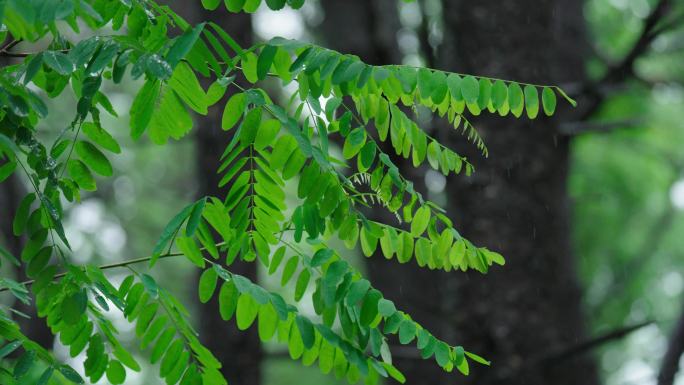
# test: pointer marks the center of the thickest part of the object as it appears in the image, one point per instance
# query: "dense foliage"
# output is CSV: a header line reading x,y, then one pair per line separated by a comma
x,y
337,97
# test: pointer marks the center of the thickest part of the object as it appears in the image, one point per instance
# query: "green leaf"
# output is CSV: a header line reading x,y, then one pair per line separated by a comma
x,y
548,101
407,331
45,377
354,142
301,60
276,259
228,298
394,372
74,306
499,94
267,322
195,217
275,4
235,5
470,88
302,284
265,61
516,99
246,312
386,307
420,221
9,348
249,67
22,214
233,111
321,256
70,374
24,363
211,4
185,85
93,158
369,309
58,62
116,373
207,285
143,107
531,101
80,173
189,248
171,119
182,45
5,253
289,269
566,97
268,130
101,137
306,330
169,232
295,4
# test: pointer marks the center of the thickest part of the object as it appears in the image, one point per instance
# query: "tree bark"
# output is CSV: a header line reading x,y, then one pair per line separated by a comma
x,y
516,202
239,351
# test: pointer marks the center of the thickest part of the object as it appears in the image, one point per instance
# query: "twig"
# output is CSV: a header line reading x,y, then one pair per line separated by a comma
x,y
576,128
562,353
675,349
105,267
625,68
555,356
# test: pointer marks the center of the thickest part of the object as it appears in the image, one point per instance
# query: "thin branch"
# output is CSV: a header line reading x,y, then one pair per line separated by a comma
x,y
562,353
624,69
26,54
105,267
424,36
10,45
576,128
673,354
556,356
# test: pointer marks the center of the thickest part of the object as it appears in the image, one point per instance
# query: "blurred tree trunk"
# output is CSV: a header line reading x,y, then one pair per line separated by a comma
x,y
239,351
516,202
370,32
11,193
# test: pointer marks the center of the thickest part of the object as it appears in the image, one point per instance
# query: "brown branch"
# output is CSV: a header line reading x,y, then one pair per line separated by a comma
x,y
424,36
576,128
562,353
675,349
624,69
556,356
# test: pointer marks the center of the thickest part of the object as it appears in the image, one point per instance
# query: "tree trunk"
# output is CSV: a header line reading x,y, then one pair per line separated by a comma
x,y
516,202
11,193
239,351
